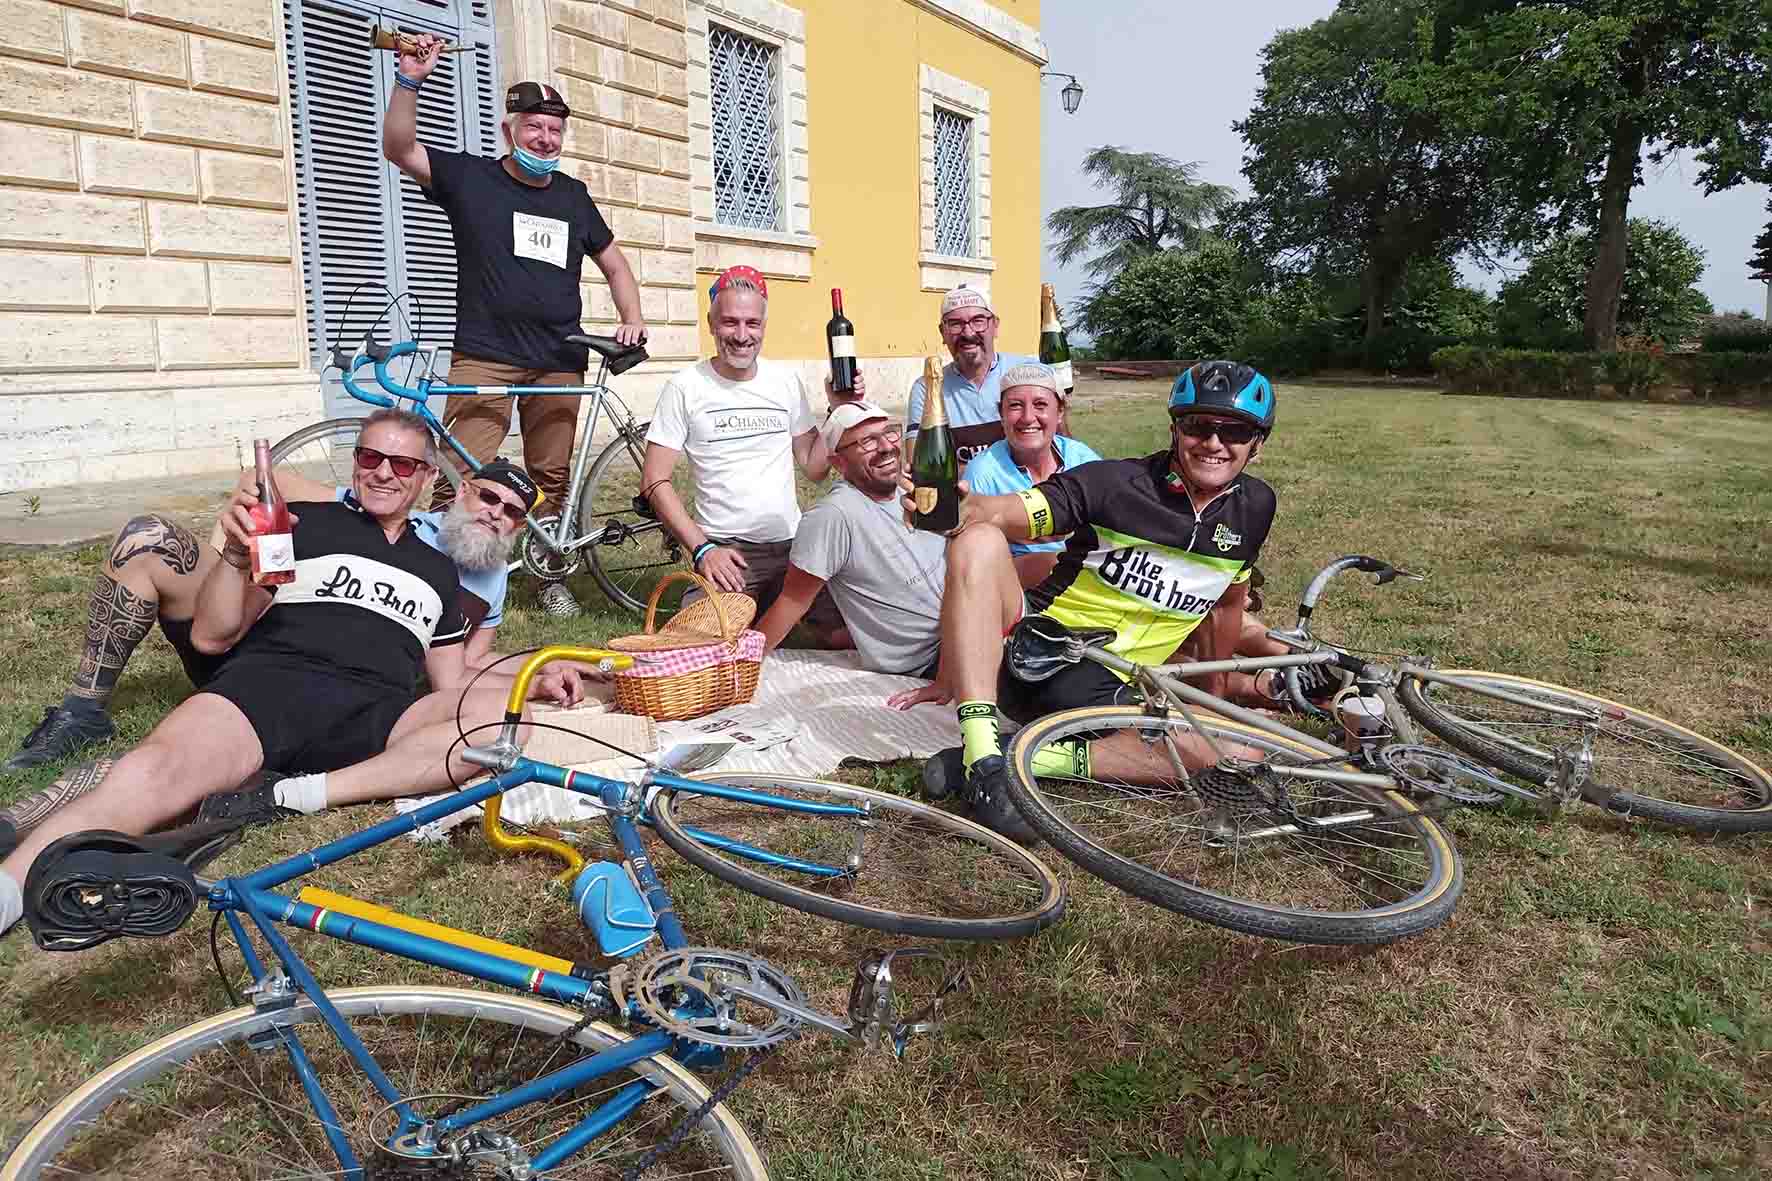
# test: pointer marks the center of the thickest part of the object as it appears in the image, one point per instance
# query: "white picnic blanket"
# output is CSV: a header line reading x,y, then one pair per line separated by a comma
x,y
834,708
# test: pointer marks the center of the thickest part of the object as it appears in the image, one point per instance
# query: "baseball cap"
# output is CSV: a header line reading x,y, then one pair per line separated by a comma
x,y
845,416
535,98
1031,373
508,474
966,297
750,275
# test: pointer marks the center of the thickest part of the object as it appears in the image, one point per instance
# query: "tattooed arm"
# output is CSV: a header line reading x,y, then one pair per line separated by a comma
x,y
29,812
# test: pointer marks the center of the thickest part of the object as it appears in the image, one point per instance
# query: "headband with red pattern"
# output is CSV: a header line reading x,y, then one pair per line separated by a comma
x,y
750,274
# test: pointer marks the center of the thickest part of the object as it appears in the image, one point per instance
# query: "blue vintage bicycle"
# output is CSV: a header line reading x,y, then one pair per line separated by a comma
x,y
579,1071
605,525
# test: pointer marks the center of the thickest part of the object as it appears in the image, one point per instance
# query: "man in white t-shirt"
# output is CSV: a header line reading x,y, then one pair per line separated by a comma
x,y
744,424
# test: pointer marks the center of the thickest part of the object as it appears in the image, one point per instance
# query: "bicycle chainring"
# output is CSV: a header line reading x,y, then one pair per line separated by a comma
x,y
694,993
1428,770
541,562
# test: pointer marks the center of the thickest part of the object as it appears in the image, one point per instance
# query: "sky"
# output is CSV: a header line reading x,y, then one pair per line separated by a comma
x,y
1170,76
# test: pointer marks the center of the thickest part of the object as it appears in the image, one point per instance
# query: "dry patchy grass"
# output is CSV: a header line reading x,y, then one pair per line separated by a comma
x,y
1596,1008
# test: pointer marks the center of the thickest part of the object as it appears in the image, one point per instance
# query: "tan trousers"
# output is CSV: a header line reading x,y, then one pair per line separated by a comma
x,y
480,422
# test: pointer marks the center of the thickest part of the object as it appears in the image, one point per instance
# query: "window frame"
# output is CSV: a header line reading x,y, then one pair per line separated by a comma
x,y
778,112
956,96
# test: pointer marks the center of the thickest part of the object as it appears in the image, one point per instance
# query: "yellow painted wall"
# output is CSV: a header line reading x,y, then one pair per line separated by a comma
x,y
863,67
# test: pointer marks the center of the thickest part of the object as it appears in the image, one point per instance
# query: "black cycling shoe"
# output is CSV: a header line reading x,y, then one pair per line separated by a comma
x,y
1315,681
987,788
61,732
253,803
8,837
944,774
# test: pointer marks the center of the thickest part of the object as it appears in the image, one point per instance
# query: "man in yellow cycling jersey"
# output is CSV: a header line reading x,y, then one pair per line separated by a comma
x,y
1160,549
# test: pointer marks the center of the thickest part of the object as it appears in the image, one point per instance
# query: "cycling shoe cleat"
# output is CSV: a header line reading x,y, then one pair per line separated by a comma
x,y
987,786
255,802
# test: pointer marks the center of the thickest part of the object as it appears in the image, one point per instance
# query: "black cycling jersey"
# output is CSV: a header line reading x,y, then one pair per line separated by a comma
x,y
1140,560
360,606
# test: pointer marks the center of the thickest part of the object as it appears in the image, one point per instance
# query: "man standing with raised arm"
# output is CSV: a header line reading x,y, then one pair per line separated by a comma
x,y
522,231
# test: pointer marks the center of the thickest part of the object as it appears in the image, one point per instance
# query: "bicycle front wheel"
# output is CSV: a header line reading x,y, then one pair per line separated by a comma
x,y
1239,852
1643,765
630,549
907,868
219,1099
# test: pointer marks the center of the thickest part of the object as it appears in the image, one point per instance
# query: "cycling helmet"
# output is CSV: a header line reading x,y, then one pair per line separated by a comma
x,y
1224,387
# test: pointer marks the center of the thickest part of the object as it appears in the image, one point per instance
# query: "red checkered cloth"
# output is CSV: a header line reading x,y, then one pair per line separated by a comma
x,y
688,660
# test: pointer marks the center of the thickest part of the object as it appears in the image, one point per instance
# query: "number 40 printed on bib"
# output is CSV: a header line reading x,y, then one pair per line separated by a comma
x,y
540,238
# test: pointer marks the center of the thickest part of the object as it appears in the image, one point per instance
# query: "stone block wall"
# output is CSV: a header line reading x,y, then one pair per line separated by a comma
x,y
149,311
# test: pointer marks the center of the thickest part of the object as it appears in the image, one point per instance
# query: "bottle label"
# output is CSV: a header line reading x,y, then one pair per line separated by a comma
x,y
276,552
842,346
926,499
1062,371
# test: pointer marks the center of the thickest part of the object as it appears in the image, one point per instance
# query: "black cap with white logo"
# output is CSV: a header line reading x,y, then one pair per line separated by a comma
x,y
503,471
537,98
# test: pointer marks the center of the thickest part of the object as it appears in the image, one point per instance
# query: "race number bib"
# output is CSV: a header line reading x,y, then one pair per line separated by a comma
x,y
540,238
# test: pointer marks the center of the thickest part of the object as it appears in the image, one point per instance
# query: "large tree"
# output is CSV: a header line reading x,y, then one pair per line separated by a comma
x,y
1761,262
1174,304
1158,203
1352,173
1573,96
1545,305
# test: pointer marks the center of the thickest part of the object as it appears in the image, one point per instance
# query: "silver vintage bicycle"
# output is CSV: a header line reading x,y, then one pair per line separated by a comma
x,y
1290,836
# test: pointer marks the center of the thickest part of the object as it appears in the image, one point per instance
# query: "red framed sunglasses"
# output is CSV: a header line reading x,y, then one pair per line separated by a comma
x,y
368,458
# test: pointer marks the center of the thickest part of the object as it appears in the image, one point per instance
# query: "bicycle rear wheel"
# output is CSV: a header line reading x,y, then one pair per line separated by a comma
x,y
631,549
1232,852
219,1099
1644,765
914,870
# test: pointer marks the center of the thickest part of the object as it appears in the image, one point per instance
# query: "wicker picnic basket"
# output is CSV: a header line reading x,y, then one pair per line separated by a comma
x,y
705,658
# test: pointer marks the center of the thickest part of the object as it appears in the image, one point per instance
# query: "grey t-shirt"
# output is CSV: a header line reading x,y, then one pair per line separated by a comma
x,y
886,580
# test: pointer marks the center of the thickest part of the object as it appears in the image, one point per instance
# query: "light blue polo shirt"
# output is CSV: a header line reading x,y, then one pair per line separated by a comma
x,y
994,472
973,412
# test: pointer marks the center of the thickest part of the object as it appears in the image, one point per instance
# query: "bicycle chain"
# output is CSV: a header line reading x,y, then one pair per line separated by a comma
x,y
714,1099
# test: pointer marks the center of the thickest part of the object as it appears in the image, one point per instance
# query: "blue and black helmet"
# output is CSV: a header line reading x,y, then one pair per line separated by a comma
x,y
1224,387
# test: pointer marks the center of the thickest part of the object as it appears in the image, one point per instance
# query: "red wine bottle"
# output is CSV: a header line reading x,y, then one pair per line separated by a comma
x,y
840,340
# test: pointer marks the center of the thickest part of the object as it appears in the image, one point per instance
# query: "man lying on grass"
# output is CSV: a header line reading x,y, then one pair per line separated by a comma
x,y
322,673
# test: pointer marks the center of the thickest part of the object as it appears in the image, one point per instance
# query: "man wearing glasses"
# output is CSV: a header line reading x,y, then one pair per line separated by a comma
x,y
886,580
322,672
1160,548
971,382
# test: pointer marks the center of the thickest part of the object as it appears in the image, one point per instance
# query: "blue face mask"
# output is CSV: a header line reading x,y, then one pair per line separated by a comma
x,y
533,164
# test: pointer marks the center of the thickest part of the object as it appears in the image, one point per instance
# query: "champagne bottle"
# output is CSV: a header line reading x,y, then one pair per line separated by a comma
x,y
839,337
935,464
273,543
1055,350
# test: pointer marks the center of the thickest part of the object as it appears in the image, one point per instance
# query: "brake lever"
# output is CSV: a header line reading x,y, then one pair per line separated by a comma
x,y
1392,573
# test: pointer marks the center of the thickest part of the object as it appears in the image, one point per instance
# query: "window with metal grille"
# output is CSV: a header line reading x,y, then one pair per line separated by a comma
x,y
953,184
361,219
743,77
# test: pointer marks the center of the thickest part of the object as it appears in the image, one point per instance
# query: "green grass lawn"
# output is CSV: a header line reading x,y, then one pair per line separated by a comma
x,y
1598,1006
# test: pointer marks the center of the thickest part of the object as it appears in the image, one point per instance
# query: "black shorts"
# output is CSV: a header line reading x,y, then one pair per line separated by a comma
x,y
1080,684
308,719
199,666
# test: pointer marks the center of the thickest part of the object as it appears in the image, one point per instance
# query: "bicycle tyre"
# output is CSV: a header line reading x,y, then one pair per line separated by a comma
x,y
720,1136
1626,730
1401,868
648,551
952,869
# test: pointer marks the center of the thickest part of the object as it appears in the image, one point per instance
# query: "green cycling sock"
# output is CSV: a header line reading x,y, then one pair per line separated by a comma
x,y
1068,758
978,731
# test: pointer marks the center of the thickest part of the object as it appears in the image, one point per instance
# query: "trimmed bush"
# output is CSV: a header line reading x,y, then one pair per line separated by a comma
x,y
1731,375
1524,373
1737,336
1633,374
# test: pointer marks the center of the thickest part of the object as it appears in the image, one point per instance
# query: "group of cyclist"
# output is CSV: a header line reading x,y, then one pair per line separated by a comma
x,y
308,693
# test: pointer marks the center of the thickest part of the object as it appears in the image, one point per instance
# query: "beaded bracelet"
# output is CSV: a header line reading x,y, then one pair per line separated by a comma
x,y
411,84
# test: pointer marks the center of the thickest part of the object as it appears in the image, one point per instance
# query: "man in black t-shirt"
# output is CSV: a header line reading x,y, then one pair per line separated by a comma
x,y
323,671
522,232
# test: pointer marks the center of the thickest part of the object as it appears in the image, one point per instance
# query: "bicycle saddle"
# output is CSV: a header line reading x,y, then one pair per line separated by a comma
x,y
1039,646
621,357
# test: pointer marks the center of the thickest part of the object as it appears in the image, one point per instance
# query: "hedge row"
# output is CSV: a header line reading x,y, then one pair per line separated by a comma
x,y
1535,373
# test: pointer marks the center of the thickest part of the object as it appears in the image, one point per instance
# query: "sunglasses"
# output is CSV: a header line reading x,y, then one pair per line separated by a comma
x,y
1232,433
513,513
868,444
368,458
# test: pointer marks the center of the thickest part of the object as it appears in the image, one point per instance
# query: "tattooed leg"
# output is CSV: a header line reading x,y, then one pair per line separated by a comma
x,y
31,811
117,619
161,537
